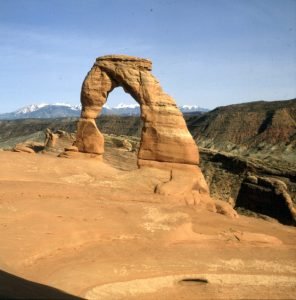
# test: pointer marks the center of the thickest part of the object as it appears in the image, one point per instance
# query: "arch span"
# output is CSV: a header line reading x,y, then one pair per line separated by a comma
x,y
165,137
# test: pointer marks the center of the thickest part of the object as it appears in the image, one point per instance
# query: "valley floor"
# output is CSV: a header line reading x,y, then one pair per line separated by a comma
x,y
99,232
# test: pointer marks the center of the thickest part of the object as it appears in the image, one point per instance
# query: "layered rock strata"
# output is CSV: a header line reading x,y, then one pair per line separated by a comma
x,y
268,196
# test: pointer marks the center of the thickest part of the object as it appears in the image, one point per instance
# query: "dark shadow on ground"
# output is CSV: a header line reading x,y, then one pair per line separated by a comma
x,y
14,287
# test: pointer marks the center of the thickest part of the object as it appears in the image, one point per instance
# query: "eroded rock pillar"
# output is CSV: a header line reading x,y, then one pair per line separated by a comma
x,y
94,92
165,137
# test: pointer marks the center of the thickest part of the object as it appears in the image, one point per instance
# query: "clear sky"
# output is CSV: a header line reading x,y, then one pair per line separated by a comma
x,y
204,52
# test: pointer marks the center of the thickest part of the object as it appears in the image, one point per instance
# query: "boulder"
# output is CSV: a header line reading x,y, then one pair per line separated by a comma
x,y
127,145
57,141
225,208
23,148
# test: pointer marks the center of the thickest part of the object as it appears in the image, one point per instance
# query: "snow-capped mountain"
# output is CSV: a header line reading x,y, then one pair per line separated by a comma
x,y
192,108
124,106
37,107
60,110
29,108
122,109
43,111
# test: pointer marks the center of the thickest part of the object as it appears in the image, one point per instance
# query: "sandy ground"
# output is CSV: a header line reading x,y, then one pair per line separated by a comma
x,y
98,232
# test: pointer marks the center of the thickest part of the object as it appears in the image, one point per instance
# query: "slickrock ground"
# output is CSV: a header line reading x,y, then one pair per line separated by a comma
x,y
98,232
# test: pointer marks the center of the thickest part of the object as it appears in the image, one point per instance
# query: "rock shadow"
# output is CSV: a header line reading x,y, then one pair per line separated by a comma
x,y
14,287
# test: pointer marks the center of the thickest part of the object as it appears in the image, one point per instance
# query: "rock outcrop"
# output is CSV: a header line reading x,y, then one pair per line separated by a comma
x,y
165,140
268,196
165,137
58,140
23,148
254,187
50,139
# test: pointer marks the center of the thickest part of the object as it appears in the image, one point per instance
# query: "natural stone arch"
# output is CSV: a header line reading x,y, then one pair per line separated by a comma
x,y
165,140
165,137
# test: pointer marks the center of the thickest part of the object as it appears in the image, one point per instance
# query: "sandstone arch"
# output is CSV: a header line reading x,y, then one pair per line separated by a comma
x,y
165,141
165,137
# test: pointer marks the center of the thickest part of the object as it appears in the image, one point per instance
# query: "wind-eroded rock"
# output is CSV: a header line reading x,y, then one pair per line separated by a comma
x,y
23,148
56,141
165,137
267,196
165,143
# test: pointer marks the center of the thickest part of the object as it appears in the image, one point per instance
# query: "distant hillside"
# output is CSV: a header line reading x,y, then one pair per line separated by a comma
x,y
260,129
16,131
265,127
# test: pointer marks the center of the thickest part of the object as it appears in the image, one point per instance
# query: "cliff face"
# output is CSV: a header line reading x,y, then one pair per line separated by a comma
x,y
252,139
257,128
253,186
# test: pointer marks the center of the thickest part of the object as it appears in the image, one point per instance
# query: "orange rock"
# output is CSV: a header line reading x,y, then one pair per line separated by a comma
x,y
165,136
72,148
225,208
89,139
166,142
50,139
23,148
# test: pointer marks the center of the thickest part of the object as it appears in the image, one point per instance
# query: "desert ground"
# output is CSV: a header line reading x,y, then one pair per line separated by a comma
x,y
94,229
148,150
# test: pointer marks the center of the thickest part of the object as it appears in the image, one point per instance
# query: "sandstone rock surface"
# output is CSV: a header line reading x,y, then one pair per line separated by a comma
x,y
165,137
102,234
268,196
50,138
23,148
58,140
165,143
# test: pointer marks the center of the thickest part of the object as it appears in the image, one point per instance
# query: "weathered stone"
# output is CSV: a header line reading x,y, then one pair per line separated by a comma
x,y
72,149
89,139
80,155
267,196
23,148
127,145
57,141
165,140
225,208
50,139
165,137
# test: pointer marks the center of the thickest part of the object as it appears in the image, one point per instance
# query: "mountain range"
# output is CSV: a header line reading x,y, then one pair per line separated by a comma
x,y
61,110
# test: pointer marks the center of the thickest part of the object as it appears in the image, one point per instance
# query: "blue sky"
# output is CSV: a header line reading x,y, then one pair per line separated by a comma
x,y
209,53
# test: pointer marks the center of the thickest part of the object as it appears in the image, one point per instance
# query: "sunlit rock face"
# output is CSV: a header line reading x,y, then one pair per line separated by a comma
x,y
165,137
165,140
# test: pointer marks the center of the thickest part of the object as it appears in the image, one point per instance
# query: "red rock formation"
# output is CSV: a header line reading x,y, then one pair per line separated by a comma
x,y
165,137
165,140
